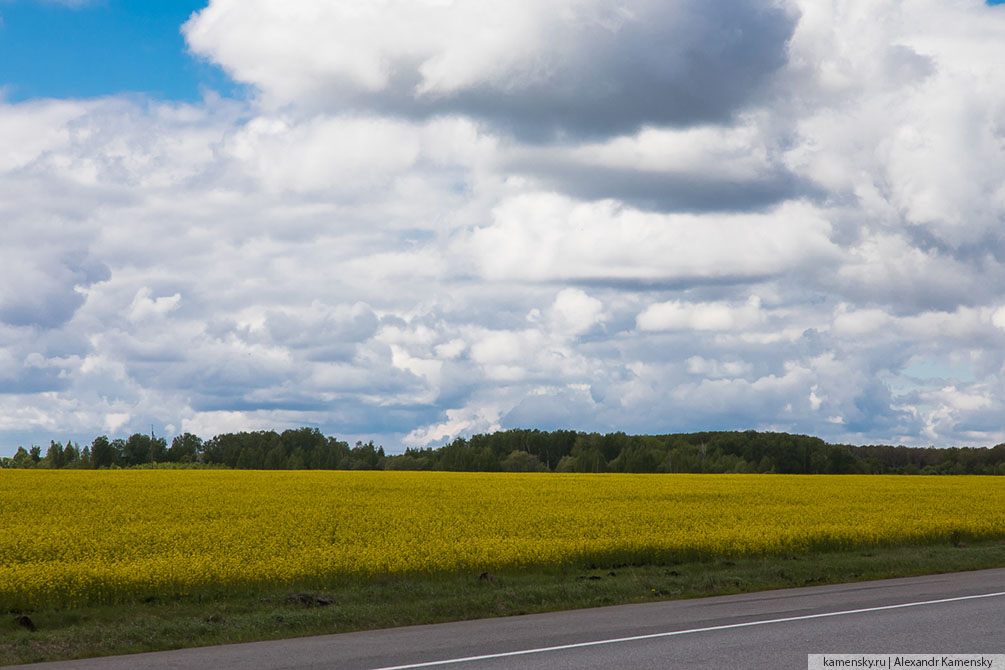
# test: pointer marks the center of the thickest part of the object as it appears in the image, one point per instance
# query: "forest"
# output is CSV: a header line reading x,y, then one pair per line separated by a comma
x,y
521,451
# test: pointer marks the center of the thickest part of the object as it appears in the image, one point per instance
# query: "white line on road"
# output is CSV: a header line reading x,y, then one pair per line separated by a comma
x,y
593,643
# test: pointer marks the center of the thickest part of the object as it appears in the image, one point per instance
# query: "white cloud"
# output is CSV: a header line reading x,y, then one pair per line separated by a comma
x,y
584,65
713,368
730,152
437,218
998,318
676,315
28,130
343,154
115,421
467,421
575,312
859,322
504,355
145,307
905,106
542,236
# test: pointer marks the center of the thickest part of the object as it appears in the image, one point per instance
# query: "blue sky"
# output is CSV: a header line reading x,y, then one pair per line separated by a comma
x,y
412,220
51,50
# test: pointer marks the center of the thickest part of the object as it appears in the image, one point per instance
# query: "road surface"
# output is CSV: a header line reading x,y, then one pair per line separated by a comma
x,y
961,613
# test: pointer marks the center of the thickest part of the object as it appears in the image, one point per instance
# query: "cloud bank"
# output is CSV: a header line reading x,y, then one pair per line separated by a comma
x,y
437,218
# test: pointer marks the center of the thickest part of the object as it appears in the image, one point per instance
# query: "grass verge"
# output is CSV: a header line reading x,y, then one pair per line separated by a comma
x,y
219,618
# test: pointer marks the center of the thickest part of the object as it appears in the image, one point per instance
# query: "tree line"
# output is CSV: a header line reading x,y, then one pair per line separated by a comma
x,y
298,449
521,451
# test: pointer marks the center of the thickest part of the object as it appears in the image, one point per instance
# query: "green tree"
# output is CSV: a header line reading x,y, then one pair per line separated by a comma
x,y
85,458
103,454
22,459
366,457
249,459
275,459
521,461
71,455
54,455
587,454
297,460
185,448
137,450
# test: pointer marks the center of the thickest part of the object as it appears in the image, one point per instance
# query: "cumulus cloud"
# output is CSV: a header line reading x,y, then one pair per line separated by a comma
x,y
325,153
43,288
575,312
537,69
543,236
434,218
906,116
676,315
702,168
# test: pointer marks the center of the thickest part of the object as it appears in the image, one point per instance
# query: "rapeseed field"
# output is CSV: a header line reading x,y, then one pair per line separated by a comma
x,y
78,537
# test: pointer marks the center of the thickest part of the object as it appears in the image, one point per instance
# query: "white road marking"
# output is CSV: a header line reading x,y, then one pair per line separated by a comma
x,y
593,643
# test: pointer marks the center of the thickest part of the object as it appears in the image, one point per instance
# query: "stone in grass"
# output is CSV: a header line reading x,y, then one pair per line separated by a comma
x,y
309,599
25,621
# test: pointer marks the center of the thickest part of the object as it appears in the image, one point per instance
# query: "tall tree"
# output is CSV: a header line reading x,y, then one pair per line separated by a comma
x,y
185,448
103,454
137,449
54,455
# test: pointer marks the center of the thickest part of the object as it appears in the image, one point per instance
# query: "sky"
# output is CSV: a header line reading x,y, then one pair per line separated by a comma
x,y
414,220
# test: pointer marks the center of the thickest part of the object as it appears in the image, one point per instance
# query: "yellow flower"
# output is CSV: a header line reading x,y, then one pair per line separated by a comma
x,y
74,537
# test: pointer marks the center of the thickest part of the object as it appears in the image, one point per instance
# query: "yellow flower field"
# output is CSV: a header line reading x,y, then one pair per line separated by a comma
x,y
75,537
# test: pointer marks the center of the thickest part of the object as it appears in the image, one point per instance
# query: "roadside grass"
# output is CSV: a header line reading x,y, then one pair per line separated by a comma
x,y
222,617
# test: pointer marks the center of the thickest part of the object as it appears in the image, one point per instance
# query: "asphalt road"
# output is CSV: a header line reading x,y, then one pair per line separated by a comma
x,y
962,613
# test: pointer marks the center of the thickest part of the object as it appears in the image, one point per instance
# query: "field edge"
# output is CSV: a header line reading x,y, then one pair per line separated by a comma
x,y
204,619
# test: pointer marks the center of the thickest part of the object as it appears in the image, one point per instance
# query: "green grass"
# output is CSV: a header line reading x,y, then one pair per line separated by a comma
x,y
219,618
